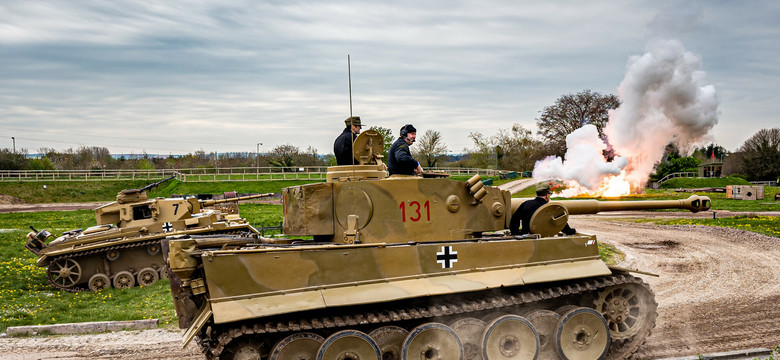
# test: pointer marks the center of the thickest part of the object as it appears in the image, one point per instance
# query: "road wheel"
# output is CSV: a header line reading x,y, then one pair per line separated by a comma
x,y
99,282
244,348
582,333
124,280
470,332
432,341
349,345
147,276
510,337
389,339
300,346
64,273
545,321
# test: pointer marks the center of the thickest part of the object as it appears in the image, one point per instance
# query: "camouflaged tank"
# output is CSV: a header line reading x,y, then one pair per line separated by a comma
x,y
410,268
123,249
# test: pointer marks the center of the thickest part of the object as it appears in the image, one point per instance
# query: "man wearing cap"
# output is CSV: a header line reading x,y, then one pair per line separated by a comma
x,y
399,158
527,209
342,147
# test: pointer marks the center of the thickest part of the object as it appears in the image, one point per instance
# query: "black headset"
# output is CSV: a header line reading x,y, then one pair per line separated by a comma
x,y
405,130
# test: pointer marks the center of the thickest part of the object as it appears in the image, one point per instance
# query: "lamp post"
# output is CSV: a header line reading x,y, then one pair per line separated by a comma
x,y
258,156
13,139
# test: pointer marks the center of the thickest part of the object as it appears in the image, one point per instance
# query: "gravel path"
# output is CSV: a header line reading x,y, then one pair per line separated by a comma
x,y
718,290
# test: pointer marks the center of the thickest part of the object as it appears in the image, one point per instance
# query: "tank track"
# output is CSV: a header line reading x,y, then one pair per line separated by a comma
x,y
476,303
94,252
115,247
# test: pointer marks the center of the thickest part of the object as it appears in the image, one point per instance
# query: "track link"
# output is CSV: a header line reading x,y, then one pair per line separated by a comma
x,y
214,346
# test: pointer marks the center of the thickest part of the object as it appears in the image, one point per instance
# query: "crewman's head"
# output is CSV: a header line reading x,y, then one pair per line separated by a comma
x,y
353,122
408,133
543,189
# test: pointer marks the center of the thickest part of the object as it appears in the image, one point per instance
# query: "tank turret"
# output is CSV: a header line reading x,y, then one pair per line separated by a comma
x,y
408,268
123,249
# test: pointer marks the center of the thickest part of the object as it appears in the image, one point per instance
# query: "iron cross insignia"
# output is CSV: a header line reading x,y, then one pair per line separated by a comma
x,y
167,227
446,257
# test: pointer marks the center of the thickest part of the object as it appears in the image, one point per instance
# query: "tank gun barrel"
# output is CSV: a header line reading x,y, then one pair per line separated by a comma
x,y
153,185
694,203
240,198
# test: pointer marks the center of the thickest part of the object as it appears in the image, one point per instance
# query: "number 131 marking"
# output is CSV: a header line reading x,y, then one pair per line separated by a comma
x,y
414,210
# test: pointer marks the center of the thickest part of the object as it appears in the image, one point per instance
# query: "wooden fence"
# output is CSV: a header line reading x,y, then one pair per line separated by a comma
x,y
198,174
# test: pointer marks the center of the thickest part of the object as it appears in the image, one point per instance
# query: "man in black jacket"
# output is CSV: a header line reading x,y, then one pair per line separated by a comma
x,y
399,158
527,209
342,147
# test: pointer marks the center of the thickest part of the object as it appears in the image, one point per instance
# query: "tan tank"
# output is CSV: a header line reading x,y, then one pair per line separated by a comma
x,y
410,268
123,249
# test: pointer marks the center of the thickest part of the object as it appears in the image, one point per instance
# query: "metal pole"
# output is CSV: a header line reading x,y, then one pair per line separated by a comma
x,y
14,141
258,156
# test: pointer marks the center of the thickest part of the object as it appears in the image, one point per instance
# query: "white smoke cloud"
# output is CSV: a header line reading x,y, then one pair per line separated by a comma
x,y
664,99
585,162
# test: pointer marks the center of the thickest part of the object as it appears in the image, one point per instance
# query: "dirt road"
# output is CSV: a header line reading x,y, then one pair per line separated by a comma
x,y
719,290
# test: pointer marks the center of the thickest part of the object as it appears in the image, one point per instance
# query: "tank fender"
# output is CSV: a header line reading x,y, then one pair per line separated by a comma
x,y
203,317
620,269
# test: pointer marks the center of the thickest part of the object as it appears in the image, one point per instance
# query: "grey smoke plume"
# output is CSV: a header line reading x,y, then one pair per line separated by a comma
x,y
664,99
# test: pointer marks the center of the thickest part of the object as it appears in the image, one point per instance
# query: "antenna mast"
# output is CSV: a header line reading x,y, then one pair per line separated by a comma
x,y
349,75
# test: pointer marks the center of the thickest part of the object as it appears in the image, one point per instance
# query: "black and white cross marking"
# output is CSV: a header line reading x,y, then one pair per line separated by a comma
x,y
446,257
167,227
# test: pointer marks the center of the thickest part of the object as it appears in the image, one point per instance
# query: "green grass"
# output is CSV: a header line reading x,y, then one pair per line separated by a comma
x,y
610,254
77,191
767,225
694,183
26,298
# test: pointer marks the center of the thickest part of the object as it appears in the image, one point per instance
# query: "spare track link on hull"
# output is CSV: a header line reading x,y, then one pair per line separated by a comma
x,y
514,296
108,248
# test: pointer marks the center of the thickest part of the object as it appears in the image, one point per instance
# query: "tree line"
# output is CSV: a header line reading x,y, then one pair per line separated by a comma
x,y
516,148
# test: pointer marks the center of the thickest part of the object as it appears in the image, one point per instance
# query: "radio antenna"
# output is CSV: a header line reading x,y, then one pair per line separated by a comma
x,y
349,75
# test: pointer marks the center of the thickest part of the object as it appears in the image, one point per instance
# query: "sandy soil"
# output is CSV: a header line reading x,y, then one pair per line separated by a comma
x,y
718,290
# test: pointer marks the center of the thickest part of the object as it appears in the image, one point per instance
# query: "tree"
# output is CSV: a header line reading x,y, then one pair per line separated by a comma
x,y
708,151
514,149
430,149
388,137
13,161
570,112
761,155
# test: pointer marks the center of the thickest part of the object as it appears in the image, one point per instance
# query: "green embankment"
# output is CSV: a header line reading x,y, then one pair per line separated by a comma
x,y
695,183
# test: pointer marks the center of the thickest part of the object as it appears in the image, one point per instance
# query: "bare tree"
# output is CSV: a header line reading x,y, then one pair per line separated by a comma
x,y
430,149
570,112
761,155
517,149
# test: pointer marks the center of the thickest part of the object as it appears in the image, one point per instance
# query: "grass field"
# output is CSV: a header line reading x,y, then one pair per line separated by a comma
x,y
767,225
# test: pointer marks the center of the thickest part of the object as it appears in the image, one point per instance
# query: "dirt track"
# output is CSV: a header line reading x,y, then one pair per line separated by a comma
x,y
719,290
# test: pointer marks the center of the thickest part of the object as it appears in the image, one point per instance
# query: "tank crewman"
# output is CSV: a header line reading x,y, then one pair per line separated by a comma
x,y
399,158
527,209
342,147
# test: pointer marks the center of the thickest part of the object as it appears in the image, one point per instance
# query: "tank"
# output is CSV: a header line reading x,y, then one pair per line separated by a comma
x,y
410,268
123,249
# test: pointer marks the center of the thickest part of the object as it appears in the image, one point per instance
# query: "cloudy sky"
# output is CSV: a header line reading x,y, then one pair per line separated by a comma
x,y
179,76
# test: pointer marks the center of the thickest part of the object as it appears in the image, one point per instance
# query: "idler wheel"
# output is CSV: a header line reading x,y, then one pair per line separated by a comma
x,y
349,345
510,337
124,280
147,276
64,273
545,321
470,332
432,341
99,282
582,333
300,346
244,348
628,309
389,339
